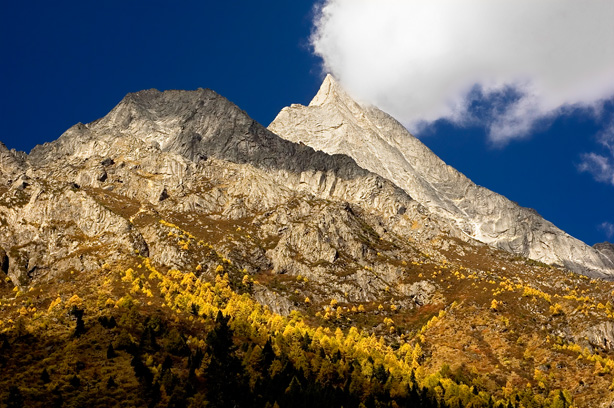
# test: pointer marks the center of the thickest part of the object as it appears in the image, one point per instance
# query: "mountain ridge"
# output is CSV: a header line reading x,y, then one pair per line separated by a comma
x,y
151,148
333,122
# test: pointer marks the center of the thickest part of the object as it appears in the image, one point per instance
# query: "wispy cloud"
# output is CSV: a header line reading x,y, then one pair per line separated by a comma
x,y
608,228
601,165
423,60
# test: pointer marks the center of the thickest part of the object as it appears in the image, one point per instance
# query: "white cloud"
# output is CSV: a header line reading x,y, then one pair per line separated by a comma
x,y
608,228
606,138
422,60
601,166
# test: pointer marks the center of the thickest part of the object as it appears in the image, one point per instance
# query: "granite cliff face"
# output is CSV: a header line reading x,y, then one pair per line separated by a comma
x,y
192,126
336,124
93,196
194,153
606,248
12,164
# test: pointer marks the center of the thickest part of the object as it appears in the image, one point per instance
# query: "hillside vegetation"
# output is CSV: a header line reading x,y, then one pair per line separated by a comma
x,y
136,334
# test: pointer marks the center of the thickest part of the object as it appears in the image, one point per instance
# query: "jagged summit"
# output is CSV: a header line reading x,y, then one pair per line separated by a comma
x,y
335,147
336,124
331,92
200,124
156,149
194,124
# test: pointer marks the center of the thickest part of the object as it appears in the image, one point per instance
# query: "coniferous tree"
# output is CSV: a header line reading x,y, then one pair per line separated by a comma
x,y
294,390
15,398
225,377
111,352
148,340
141,371
45,377
107,323
268,355
80,325
176,343
167,364
194,362
111,382
75,381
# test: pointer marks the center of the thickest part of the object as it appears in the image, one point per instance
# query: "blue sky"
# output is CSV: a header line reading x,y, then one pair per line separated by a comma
x,y
67,62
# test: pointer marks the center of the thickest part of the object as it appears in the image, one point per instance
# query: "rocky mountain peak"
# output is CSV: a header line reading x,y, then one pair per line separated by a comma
x,y
331,93
188,152
336,124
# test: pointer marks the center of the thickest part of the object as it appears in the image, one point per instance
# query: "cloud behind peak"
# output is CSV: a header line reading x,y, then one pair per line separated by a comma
x,y
422,60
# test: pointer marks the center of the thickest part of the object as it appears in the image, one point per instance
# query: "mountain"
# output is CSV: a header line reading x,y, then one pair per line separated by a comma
x,y
336,124
177,253
606,248
150,154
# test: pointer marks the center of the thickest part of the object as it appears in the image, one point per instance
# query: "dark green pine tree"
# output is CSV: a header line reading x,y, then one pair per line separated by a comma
x,y
225,375
111,383
167,364
294,390
45,377
111,352
194,362
15,398
148,341
268,355
80,326
141,371
75,381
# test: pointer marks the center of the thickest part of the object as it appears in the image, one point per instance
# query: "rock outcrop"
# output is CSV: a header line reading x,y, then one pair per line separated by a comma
x,y
601,335
334,123
95,195
196,125
12,166
90,196
606,248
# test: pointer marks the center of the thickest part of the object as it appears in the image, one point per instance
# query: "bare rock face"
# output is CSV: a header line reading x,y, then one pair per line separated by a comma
x,y
12,165
274,301
606,248
336,124
196,125
95,194
601,336
46,230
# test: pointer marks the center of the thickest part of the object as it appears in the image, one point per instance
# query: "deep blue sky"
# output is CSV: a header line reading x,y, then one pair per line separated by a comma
x,y
67,62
